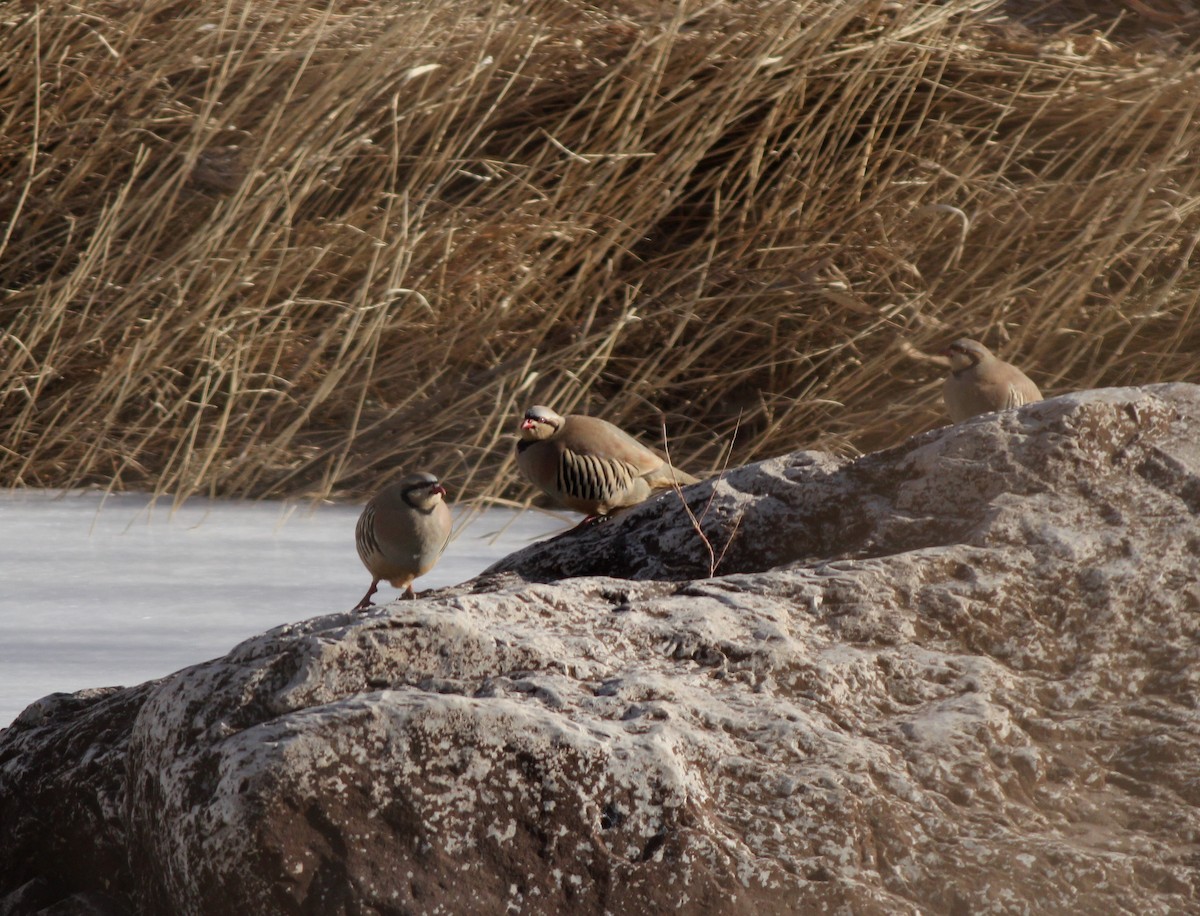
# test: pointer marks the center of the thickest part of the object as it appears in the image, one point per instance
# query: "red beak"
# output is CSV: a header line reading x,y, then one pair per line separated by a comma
x,y
438,488
528,423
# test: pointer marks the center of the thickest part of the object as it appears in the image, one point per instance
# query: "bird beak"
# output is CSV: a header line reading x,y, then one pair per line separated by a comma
x,y
528,423
438,489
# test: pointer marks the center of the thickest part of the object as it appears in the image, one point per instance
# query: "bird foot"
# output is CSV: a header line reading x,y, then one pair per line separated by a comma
x,y
590,520
366,599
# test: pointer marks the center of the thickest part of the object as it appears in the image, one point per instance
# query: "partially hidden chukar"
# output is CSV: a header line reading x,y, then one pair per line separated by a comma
x,y
402,531
589,465
980,382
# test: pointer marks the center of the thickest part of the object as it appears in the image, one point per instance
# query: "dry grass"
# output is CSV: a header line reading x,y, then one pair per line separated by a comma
x,y
288,248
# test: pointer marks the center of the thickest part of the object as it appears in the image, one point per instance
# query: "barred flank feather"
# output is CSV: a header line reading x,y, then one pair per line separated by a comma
x,y
1017,398
364,535
591,477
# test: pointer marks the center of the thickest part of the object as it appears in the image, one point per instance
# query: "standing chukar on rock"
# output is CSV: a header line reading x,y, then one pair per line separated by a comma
x,y
980,383
401,533
589,465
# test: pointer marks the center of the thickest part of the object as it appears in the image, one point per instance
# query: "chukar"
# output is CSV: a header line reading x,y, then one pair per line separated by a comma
x,y
402,531
980,382
589,465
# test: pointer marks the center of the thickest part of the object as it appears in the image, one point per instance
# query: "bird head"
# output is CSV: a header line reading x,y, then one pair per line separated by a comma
x,y
422,491
540,423
965,353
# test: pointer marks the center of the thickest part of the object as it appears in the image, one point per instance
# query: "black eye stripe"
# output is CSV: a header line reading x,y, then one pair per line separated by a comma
x,y
412,488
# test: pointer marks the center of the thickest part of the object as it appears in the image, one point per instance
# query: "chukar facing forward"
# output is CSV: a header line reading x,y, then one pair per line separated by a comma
x,y
589,465
402,531
979,382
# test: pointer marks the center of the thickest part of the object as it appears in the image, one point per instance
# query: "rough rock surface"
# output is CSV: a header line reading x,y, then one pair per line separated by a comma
x,y
958,676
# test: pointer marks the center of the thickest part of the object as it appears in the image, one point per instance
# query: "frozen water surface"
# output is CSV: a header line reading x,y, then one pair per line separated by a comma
x,y
97,591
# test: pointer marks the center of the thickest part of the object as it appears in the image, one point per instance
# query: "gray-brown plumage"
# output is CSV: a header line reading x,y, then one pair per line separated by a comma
x,y
589,465
402,531
979,382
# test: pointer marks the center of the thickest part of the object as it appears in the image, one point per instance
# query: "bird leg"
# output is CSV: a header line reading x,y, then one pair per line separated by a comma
x,y
366,599
410,593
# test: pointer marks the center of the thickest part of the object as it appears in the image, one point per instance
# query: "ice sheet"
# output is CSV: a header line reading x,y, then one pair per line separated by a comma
x,y
101,591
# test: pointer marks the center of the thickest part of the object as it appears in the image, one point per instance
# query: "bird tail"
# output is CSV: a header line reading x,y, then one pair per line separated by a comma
x,y
669,477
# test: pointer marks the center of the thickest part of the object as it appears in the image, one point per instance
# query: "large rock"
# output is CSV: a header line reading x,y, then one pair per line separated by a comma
x,y
957,676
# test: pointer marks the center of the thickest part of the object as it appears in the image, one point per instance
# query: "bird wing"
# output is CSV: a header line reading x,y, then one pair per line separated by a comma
x,y
599,438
